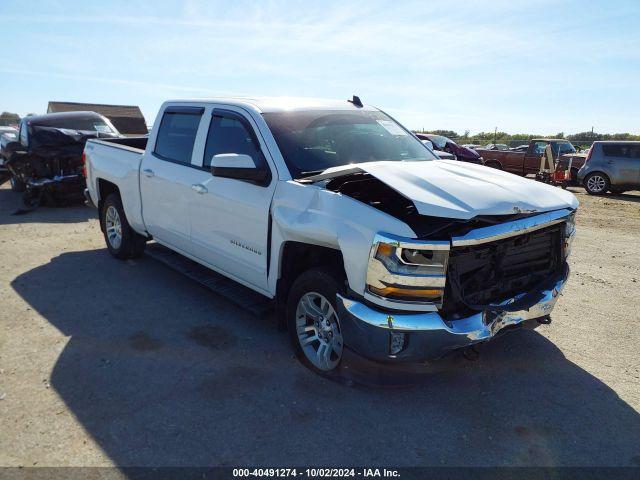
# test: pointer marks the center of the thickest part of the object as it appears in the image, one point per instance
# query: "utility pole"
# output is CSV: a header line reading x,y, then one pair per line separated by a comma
x,y
495,135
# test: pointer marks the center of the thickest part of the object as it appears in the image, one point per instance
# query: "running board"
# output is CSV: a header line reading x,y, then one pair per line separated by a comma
x,y
242,296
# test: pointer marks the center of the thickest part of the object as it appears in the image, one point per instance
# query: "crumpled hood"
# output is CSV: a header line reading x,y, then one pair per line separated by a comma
x,y
451,189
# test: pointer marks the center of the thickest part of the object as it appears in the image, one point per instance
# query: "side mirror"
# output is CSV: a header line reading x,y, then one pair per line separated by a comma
x,y
239,167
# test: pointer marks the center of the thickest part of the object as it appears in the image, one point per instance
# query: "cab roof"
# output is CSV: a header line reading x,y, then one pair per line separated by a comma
x,y
279,104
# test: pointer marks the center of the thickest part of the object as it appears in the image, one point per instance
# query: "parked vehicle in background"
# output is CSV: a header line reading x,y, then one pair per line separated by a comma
x,y
528,162
520,148
45,161
439,154
612,166
7,135
495,146
444,144
472,146
344,218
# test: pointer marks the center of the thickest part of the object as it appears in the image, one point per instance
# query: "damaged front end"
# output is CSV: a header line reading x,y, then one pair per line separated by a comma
x,y
459,283
51,168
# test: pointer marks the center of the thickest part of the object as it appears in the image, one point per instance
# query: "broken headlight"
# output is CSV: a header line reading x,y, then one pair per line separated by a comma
x,y
569,233
407,271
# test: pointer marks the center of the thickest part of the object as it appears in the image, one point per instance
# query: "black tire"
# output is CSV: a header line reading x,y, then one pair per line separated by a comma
x,y
495,165
573,177
326,283
131,244
596,183
17,185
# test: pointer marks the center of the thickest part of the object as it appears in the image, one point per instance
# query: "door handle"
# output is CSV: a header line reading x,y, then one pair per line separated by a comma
x,y
148,172
198,188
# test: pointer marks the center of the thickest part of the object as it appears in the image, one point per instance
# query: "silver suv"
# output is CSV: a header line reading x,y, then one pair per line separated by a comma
x,y
611,166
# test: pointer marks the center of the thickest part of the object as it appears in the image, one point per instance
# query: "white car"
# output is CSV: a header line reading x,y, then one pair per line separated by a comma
x,y
360,235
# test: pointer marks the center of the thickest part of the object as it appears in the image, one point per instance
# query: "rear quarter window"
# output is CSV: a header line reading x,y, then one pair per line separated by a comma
x,y
621,150
177,134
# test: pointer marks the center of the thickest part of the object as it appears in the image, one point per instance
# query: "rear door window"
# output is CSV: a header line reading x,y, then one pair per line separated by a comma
x,y
621,150
177,134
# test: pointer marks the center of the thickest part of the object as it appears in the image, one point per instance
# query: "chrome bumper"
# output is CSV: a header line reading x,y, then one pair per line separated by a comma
x,y
428,336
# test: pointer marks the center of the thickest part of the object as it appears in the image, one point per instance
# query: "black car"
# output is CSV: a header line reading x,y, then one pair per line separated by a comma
x,y
46,160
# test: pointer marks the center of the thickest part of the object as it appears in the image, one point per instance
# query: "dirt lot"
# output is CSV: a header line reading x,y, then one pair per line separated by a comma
x,y
129,363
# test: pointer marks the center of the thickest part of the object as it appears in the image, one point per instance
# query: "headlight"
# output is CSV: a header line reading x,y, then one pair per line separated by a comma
x,y
407,271
569,233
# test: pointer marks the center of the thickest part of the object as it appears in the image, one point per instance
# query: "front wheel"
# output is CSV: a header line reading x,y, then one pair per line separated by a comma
x,y
313,322
122,241
596,183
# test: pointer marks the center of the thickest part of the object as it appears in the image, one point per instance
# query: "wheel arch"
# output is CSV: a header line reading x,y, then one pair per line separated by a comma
x,y
104,189
491,162
298,257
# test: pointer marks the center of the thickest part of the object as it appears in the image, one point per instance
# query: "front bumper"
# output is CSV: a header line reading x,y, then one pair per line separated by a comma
x,y
428,336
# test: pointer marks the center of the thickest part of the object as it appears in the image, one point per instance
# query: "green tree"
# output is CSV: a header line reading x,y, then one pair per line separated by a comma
x,y
8,118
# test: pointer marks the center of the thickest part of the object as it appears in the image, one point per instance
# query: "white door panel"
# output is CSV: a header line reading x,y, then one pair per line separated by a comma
x,y
229,226
230,221
166,188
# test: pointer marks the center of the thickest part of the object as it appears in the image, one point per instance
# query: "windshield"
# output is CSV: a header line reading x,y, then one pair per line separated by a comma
x,y
312,141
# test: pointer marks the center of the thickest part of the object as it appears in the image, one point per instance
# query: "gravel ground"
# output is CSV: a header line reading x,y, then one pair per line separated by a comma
x,y
129,363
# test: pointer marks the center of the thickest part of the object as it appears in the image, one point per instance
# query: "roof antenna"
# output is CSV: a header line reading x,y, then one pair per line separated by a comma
x,y
356,101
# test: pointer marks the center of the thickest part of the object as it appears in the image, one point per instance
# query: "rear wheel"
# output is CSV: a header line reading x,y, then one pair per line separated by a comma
x,y
596,183
122,241
495,165
312,320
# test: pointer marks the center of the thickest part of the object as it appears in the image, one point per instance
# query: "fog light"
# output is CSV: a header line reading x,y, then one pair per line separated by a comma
x,y
396,343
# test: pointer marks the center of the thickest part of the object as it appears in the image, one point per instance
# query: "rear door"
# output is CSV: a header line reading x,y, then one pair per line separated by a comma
x,y
623,160
230,217
167,176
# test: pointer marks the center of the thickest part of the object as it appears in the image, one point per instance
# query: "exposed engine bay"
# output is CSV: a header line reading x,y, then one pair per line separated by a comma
x,y
478,276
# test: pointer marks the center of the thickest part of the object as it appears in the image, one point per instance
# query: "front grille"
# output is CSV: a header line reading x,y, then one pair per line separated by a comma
x,y
492,272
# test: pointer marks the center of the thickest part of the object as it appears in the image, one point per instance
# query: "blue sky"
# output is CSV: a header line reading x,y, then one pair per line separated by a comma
x,y
535,66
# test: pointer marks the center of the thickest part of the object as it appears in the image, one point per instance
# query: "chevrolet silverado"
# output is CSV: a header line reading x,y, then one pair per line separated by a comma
x,y
360,235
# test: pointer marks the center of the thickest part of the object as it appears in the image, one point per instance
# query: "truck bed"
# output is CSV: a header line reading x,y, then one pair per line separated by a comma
x,y
134,143
512,162
117,161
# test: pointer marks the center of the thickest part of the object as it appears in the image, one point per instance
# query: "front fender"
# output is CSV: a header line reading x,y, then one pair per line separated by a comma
x,y
313,215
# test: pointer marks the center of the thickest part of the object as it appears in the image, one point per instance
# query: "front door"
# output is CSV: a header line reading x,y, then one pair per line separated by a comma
x,y
166,177
229,217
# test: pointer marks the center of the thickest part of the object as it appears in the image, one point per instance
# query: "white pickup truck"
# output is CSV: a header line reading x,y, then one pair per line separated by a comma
x,y
362,237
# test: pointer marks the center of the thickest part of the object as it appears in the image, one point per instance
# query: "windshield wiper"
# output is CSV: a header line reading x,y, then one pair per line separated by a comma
x,y
312,172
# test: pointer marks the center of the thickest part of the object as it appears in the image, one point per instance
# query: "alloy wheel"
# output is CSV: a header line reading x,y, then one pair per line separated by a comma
x,y
596,183
318,329
113,225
